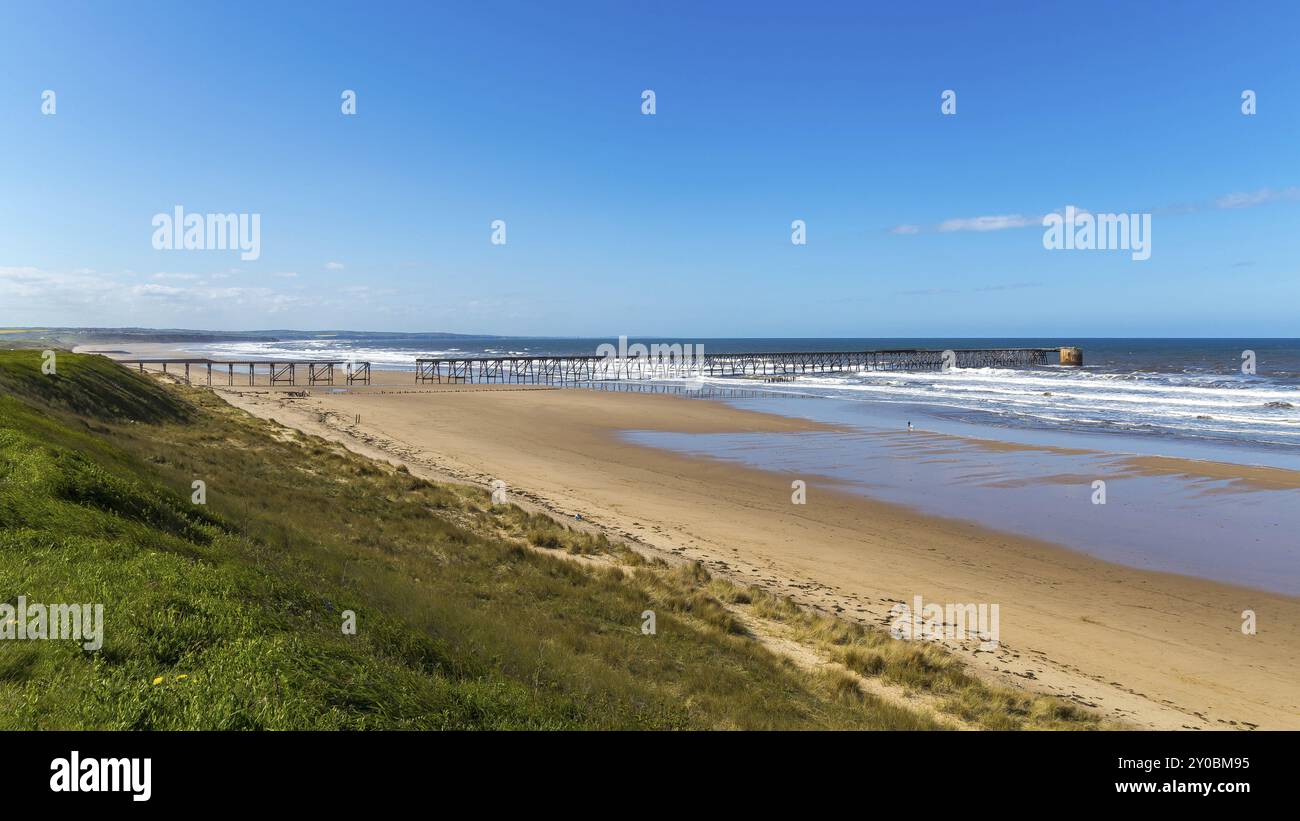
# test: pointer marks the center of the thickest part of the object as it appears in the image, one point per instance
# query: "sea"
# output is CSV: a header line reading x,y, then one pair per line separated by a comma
x,y
1192,390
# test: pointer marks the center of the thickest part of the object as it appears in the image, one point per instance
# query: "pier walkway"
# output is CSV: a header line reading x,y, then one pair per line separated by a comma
x,y
674,361
578,369
274,372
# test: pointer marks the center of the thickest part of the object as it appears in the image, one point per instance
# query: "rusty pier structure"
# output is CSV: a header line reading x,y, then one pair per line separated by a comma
x,y
767,366
271,372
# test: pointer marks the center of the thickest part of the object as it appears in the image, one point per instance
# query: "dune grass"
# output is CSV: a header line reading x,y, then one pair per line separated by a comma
x,y
228,615
919,666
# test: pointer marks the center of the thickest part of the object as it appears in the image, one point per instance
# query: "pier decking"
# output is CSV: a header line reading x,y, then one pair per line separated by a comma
x,y
275,372
774,366
577,369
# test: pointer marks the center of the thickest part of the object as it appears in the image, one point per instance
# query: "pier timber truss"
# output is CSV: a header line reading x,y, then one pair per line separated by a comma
x,y
579,369
272,372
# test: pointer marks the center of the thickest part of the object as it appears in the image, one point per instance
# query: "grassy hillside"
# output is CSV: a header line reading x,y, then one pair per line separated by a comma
x,y
228,615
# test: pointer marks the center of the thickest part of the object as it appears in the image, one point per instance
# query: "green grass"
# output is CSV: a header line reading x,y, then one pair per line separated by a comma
x,y
228,615
470,615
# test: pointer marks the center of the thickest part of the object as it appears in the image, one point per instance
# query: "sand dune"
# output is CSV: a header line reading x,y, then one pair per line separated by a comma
x,y
1153,649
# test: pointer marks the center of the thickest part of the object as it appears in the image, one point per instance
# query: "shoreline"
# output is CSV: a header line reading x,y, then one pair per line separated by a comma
x,y
1073,626
1245,473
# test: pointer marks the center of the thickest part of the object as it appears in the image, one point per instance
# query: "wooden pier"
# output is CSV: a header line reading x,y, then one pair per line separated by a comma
x,y
766,366
772,367
275,372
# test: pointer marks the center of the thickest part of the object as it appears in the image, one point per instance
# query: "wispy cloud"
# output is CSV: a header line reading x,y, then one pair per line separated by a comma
x,y
996,223
334,266
1260,197
1011,286
27,283
926,292
156,290
39,291
1002,222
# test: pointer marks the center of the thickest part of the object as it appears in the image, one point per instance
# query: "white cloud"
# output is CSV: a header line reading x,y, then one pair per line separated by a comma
x,y
16,272
1260,197
30,284
153,289
334,266
35,294
1240,199
995,223
1011,286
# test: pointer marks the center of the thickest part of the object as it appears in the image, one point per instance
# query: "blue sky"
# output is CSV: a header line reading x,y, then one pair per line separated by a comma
x,y
675,224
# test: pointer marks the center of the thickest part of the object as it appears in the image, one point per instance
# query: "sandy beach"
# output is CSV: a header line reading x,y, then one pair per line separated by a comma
x,y
1154,650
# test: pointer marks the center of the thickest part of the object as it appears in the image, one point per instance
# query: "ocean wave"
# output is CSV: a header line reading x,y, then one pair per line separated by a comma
x,y
1215,407
319,349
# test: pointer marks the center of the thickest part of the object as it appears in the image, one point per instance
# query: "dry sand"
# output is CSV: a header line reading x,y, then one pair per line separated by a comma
x,y
1152,649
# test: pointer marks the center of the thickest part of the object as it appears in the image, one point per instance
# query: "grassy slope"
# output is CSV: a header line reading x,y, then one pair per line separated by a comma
x,y
227,615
